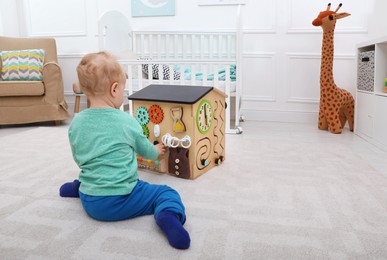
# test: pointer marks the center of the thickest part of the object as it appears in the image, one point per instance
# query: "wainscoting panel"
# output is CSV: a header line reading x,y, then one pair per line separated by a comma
x,y
1,25
55,18
259,80
69,63
265,19
287,88
302,13
303,78
303,75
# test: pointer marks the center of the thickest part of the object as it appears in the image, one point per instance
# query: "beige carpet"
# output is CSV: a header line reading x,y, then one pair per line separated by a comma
x,y
272,199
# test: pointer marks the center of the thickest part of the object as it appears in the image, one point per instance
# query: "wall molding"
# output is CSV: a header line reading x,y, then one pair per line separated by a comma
x,y
362,29
261,55
309,56
302,100
70,55
27,22
272,115
263,30
272,29
259,98
245,30
1,25
221,2
300,30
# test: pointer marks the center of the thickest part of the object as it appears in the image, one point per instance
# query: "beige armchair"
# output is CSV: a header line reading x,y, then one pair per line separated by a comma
x,y
33,101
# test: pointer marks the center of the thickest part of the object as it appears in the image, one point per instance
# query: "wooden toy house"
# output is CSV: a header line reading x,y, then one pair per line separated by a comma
x,y
190,120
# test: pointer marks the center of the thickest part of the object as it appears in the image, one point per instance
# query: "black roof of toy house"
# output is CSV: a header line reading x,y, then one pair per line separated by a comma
x,y
171,93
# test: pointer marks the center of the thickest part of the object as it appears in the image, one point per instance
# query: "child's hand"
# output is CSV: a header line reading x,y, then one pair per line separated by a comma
x,y
161,148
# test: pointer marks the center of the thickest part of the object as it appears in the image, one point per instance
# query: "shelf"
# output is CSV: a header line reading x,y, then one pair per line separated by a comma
x,y
371,106
372,42
367,48
365,91
381,94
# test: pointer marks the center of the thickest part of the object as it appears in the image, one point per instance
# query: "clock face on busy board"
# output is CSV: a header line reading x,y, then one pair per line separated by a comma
x,y
204,116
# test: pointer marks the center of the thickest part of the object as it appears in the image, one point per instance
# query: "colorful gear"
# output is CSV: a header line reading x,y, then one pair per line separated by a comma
x,y
156,114
145,130
142,115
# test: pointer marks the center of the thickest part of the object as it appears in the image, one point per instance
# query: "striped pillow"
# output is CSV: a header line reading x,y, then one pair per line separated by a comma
x,y
22,64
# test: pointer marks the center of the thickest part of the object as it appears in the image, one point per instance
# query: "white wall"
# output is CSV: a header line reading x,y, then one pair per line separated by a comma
x,y
9,23
281,52
377,18
1,26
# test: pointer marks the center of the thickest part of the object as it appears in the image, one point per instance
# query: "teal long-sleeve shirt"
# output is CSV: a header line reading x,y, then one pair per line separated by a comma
x,y
104,143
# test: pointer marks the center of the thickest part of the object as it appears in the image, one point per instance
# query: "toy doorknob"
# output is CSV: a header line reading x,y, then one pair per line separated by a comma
x,y
205,162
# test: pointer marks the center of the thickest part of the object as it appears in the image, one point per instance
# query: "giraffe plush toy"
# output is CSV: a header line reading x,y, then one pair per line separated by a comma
x,y
336,104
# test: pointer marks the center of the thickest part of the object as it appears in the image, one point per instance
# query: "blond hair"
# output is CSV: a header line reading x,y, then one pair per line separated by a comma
x,y
97,72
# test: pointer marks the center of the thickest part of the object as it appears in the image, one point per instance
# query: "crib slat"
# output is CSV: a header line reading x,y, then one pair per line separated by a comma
x,y
167,46
141,46
193,50
139,76
204,75
176,46
134,43
171,74
184,47
201,47
228,98
182,74
150,74
158,46
210,47
220,44
129,81
160,73
229,44
216,76
193,67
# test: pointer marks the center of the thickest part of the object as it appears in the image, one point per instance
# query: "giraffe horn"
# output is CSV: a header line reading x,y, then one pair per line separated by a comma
x,y
329,6
337,9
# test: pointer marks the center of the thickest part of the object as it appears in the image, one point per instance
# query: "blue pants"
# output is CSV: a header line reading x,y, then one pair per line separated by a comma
x,y
145,199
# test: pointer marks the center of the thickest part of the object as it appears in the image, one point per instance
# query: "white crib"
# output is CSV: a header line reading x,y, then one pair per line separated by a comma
x,y
197,58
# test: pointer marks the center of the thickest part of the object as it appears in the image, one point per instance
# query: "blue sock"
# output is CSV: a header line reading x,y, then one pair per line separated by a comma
x,y
170,224
70,189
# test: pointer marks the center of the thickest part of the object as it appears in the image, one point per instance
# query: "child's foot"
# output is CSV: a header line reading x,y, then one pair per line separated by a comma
x,y
70,189
177,236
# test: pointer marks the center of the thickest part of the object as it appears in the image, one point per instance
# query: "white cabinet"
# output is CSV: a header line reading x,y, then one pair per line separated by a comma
x,y
365,114
380,123
371,103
